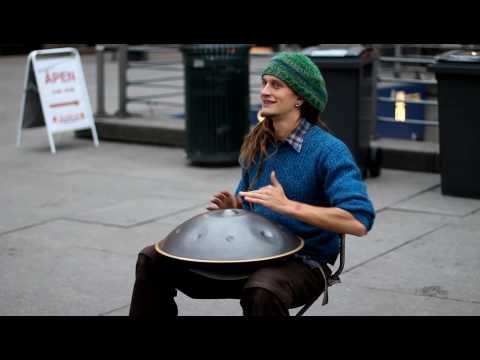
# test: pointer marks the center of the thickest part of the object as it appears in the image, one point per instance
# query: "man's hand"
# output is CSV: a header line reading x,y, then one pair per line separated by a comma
x,y
329,218
223,200
271,196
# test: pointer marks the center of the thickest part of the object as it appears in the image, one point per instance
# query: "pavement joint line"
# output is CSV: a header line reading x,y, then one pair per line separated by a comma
x,y
424,212
163,217
113,174
395,248
420,295
94,223
133,225
382,209
100,223
116,309
119,174
415,195
29,226
471,212
45,172
104,251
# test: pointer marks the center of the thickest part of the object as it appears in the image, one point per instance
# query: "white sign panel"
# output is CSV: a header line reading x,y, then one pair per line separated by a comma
x,y
59,83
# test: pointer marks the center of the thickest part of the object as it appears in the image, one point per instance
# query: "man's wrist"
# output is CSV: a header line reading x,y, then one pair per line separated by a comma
x,y
293,208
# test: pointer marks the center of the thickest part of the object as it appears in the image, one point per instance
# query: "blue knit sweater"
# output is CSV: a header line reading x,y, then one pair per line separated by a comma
x,y
323,173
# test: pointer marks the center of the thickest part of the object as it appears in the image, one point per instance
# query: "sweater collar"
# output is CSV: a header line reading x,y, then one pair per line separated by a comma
x,y
295,139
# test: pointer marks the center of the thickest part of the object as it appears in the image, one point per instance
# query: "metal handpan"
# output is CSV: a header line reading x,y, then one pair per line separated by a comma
x,y
229,244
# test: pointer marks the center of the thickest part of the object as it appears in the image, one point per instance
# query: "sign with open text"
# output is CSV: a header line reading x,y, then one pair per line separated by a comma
x,y
55,94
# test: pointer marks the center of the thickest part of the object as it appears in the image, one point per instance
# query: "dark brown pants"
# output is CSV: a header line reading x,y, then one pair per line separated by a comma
x,y
270,291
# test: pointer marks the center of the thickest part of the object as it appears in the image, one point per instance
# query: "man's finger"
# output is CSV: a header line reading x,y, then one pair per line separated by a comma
x,y
253,195
255,201
212,206
218,202
220,195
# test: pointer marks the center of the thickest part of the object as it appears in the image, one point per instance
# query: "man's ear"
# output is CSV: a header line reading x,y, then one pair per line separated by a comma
x,y
300,100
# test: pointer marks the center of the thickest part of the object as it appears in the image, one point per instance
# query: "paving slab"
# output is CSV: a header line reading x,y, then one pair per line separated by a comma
x,y
444,264
392,228
34,198
349,299
472,221
345,299
195,307
41,252
207,307
63,234
435,202
137,211
394,186
116,159
69,281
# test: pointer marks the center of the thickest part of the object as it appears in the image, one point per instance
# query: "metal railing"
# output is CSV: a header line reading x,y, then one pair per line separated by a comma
x,y
257,64
409,64
159,74
127,81
398,63
100,60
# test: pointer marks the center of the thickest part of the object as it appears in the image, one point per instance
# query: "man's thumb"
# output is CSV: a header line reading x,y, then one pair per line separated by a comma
x,y
274,179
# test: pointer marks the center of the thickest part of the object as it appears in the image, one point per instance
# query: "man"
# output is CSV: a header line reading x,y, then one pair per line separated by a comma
x,y
295,173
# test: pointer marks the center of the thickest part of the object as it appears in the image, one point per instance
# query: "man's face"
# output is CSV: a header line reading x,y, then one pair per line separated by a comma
x,y
277,98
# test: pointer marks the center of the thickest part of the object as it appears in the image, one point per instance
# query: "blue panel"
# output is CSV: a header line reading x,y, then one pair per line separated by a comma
x,y
253,113
413,111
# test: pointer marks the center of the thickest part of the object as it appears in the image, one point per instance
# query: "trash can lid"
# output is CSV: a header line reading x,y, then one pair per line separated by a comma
x,y
341,57
336,52
214,48
460,56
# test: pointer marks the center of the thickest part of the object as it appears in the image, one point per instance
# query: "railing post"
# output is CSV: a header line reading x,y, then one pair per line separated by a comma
x,y
122,81
375,72
100,57
397,65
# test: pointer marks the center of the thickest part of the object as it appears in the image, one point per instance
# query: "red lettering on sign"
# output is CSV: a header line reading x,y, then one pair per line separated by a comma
x,y
68,118
62,76
69,103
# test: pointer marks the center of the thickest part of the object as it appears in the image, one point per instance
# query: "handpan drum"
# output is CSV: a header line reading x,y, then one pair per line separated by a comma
x,y
229,244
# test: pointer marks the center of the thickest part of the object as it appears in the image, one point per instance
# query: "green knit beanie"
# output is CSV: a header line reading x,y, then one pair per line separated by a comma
x,y
301,75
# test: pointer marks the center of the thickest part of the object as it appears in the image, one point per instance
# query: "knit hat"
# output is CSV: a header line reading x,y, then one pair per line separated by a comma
x,y
301,75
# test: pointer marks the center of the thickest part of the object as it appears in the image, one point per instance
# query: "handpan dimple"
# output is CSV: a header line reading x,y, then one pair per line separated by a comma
x,y
267,234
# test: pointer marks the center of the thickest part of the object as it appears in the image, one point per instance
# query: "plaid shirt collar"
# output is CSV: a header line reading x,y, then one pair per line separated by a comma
x,y
295,139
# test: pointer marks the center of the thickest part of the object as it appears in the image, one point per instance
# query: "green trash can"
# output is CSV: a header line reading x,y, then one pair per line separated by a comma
x,y
217,102
458,79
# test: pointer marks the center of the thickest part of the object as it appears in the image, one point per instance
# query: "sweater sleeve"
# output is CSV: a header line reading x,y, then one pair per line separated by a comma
x,y
243,186
343,184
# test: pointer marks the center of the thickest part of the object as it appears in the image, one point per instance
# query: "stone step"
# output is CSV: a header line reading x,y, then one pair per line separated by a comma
x,y
398,154
409,155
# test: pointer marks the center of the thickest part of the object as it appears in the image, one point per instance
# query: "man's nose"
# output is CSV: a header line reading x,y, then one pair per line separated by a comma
x,y
265,90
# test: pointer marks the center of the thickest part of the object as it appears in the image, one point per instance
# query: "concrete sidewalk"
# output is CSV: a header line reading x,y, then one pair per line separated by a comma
x,y
71,226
